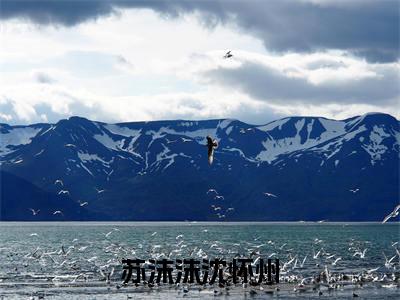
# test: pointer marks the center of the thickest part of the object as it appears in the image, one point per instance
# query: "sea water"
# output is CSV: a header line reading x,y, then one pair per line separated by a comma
x,y
62,260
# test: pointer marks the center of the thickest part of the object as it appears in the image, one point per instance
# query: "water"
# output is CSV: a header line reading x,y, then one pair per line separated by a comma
x,y
45,259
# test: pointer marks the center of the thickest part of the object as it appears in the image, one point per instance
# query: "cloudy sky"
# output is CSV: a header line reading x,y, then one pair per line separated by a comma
x,y
117,61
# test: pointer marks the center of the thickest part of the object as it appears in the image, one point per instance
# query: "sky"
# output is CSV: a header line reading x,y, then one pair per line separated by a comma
x,y
122,61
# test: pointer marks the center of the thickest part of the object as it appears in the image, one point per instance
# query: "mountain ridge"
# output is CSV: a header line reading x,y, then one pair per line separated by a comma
x,y
143,165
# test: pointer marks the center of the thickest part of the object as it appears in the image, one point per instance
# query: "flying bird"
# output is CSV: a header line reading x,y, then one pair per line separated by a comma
x,y
212,191
211,145
393,214
83,203
354,191
58,212
270,195
228,54
99,191
59,181
34,212
63,192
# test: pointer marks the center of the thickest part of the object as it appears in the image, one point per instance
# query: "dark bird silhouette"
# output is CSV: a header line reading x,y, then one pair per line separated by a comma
x,y
228,54
211,145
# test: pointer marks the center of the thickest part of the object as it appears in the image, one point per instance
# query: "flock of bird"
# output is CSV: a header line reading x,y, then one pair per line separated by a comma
x,y
63,192
317,267
220,209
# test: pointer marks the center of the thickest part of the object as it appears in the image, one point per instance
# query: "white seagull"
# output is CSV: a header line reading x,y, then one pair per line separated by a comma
x,y
393,214
270,195
83,203
212,191
59,181
34,212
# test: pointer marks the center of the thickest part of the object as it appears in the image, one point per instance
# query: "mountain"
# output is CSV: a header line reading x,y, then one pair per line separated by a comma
x,y
312,169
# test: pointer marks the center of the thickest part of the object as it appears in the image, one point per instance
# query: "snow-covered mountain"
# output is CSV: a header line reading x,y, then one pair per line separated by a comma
x,y
315,168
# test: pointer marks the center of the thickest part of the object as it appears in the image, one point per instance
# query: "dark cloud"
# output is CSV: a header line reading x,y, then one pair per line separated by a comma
x,y
272,86
366,28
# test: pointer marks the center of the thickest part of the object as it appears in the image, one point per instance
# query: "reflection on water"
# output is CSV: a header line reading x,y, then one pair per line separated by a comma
x,y
83,260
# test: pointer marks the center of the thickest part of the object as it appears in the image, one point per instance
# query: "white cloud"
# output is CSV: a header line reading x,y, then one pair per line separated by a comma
x,y
138,66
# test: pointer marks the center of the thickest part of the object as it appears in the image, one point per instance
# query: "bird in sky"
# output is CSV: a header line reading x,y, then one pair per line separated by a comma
x,y
63,192
58,212
393,214
270,195
354,190
59,181
211,145
99,191
34,212
83,203
228,54
212,191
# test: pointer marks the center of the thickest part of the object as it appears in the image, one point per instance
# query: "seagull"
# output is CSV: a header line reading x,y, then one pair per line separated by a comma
x,y
108,233
211,145
388,262
34,212
373,270
212,191
59,181
270,195
219,197
315,256
335,262
228,54
361,254
185,140
393,214
304,260
58,212
99,191
168,141
83,203
63,192
354,191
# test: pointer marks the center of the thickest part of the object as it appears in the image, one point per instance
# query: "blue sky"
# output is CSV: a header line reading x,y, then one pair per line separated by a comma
x,y
120,61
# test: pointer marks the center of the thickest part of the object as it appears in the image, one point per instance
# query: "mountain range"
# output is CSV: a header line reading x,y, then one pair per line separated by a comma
x,y
292,169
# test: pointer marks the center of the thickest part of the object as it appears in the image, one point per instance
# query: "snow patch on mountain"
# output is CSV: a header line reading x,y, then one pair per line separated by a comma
x,y
123,131
273,125
86,157
333,130
225,123
164,156
199,135
375,148
108,142
16,137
